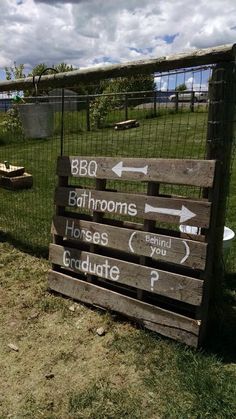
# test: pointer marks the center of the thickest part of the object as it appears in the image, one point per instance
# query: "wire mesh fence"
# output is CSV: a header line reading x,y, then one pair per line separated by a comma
x,y
171,121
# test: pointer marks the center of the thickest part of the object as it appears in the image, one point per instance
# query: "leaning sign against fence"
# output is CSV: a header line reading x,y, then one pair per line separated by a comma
x,y
157,276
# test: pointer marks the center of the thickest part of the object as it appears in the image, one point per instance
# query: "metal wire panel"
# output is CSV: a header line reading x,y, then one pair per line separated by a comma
x,y
168,128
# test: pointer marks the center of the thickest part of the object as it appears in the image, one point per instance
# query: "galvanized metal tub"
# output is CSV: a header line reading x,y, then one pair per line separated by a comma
x,y
37,119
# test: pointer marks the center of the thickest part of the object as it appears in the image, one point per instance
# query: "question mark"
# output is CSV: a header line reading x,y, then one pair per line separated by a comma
x,y
154,277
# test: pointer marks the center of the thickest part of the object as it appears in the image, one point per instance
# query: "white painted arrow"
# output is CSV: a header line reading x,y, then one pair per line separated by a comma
x,y
118,169
184,214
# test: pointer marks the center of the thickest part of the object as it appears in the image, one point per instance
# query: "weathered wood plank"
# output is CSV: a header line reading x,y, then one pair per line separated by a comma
x,y
165,322
220,140
157,246
11,171
129,123
172,285
73,78
173,171
24,181
171,210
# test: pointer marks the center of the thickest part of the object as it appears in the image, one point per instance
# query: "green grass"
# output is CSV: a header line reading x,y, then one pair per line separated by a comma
x,y
26,215
127,373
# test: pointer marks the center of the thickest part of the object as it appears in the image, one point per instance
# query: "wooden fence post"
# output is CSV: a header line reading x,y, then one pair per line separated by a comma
x,y
192,101
88,113
155,104
176,101
220,133
62,119
126,106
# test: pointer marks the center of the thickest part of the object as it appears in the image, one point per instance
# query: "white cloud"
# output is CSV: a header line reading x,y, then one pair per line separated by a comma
x,y
162,83
193,84
87,32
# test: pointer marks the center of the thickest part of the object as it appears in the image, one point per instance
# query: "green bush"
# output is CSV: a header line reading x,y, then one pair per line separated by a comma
x,y
11,122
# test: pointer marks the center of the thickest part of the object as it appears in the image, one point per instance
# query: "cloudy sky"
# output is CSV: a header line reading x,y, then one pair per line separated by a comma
x,y
93,32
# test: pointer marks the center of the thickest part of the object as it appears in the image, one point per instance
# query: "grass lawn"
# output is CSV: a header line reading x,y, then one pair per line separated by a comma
x,y
25,216
63,369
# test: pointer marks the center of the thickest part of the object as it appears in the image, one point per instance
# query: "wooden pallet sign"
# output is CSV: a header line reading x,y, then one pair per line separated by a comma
x,y
111,249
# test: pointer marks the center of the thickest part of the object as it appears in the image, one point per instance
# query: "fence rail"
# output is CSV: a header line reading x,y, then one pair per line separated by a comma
x,y
197,58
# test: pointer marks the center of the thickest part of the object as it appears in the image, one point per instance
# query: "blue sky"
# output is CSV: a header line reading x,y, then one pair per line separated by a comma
x,y
88,33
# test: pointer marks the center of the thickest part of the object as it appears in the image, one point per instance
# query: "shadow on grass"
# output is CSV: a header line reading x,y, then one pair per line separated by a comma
x,y
38,251
222,335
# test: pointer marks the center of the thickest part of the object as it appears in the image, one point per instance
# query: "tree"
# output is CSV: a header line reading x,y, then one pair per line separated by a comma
x,y
11,122
41,67
102,105
64,68
38,69
181,87
136,83
60,68
15,72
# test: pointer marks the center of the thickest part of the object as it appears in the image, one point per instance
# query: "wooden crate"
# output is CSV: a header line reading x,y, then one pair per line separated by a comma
x,y
148,273
11,171
24,181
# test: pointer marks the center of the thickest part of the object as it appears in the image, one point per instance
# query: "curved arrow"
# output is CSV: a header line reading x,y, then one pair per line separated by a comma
x,y
187,252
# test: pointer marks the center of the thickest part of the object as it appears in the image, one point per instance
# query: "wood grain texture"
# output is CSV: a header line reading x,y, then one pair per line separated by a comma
x,y
165,322
178,287
185,252
73,78
172,171
134,205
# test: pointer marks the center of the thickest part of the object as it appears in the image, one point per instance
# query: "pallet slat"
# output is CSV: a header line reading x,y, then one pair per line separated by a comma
x,y
174,171
178,287
171,210
165,322
185,252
